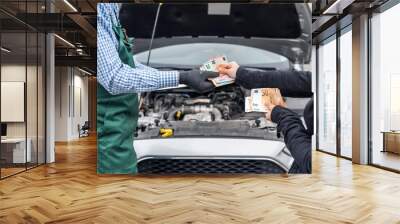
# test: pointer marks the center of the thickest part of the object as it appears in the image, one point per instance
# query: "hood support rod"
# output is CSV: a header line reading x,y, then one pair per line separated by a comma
x,y
153,33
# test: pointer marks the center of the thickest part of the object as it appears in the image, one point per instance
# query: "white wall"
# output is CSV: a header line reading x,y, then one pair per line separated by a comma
x,y
14,72
70,83
33,127
17,73
61,103
80,89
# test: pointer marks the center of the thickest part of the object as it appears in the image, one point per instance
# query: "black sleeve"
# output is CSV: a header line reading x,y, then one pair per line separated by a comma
x,y
296,138
291,83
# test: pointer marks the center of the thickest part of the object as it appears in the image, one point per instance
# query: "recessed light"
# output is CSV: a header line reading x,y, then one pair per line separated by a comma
x,y
5,50
70,5
64,40
84,71
338,6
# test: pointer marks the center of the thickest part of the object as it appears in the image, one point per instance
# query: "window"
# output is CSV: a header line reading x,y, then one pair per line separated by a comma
x,y
385,88
327,96
346,93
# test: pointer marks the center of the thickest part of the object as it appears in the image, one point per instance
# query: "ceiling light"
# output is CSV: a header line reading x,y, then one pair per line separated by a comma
x,y
70,5
84,71
5,50
338,6
65,41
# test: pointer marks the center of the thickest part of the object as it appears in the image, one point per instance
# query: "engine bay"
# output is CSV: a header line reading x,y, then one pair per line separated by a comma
x,y
183,112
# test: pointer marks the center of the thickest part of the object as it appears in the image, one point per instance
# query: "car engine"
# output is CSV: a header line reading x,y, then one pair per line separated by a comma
x,y
187,113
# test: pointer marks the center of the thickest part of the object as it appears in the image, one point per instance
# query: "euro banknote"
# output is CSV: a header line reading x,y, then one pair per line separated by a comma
x,y
258,99
212,65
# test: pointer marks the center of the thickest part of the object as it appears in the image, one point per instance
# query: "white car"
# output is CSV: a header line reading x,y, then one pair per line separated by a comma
x,y
181,131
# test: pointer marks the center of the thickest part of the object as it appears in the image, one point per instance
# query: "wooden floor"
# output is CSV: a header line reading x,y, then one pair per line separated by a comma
x,y
70,191
5,172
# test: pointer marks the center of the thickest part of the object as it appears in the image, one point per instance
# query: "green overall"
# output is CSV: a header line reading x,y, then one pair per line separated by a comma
x,y
117,120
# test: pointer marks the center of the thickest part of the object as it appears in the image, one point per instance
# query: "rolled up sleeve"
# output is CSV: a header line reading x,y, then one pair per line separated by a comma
x,y
117,77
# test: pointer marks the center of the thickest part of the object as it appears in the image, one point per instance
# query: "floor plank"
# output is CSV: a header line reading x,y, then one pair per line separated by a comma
x,y
70,191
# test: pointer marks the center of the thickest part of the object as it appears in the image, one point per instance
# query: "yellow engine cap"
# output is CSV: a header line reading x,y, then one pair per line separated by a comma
x,y
166,132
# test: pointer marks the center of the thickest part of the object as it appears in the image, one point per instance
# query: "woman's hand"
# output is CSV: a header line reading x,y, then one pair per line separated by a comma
x,y
274,99
228,69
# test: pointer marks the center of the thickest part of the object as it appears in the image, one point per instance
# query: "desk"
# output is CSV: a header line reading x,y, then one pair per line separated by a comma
x,y
391,141
13,150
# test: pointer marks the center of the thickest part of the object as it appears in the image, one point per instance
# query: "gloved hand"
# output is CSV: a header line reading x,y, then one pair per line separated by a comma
x,y
198,80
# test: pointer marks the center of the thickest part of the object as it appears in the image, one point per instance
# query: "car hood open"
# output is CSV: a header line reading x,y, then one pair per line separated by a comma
x,y
284,29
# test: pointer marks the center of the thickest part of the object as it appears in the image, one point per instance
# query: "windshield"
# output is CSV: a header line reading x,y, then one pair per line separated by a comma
x,y
195,54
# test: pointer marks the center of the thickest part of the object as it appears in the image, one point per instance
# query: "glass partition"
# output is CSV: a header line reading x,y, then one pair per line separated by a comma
x,y
31,97
14,153
22,78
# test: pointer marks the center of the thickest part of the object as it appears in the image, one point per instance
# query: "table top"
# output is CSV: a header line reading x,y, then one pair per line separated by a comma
x,y
13,140
391,132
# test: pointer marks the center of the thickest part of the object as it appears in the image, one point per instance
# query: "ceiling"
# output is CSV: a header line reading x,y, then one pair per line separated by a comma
x,y
76,23
331,15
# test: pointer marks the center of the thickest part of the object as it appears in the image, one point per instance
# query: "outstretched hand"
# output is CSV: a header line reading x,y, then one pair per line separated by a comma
x,y
275,99
228,69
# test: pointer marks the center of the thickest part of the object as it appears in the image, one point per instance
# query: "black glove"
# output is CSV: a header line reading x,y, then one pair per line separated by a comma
x,y
198,80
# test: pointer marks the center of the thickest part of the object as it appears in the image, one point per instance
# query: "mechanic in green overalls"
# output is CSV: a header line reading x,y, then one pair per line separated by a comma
x,y
120,77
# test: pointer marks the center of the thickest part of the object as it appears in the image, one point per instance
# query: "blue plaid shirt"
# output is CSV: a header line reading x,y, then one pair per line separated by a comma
x,y
115,76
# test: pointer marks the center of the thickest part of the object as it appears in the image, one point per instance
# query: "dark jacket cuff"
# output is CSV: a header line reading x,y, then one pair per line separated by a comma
x,y
241,75
276,113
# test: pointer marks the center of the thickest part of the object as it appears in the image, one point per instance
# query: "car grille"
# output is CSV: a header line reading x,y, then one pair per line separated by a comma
x,y
205,166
